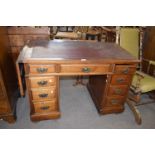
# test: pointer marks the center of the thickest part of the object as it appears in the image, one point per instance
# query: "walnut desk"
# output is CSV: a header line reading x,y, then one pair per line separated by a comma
x,y
109,67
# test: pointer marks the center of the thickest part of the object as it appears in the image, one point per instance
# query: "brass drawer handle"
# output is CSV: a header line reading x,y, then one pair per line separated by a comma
x,y
42,70
86,70
125,71
114,101
120,80
118,91
43,95
42,83
44,108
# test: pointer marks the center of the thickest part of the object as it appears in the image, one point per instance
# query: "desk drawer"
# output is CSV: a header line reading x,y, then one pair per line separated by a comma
x,y
42,81
45,106
121,79
125,69
41,69
85,68
120,90
115,101
43,93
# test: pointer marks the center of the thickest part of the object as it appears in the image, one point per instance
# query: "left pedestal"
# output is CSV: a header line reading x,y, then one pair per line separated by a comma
x,y
43,93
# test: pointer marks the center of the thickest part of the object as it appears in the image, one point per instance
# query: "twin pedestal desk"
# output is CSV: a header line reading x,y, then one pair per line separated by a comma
x,y
109,67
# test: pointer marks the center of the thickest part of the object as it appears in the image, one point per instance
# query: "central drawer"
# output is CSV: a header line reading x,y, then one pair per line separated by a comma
x,y
42,81
43,93
85,68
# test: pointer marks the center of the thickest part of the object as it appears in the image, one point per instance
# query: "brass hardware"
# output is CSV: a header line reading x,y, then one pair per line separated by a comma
x,y
120,80
126,71
42,83
43,95
44,108
114,101
118,91
86,70
42,70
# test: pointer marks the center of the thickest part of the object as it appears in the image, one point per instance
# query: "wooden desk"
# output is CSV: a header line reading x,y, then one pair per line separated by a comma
x,y
110,69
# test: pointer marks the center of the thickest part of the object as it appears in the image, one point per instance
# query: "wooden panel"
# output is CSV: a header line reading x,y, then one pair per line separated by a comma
x,y
1,90
14,57
42,81
21,40
112,109
149,43
45,116
4,107
16,40
148,48
28,30
16,49
8,79
97,87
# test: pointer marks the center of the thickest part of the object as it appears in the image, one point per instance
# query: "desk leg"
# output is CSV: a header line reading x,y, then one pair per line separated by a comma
x,y
79,81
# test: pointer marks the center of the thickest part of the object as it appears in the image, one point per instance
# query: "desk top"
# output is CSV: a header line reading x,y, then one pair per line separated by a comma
x,y
62,50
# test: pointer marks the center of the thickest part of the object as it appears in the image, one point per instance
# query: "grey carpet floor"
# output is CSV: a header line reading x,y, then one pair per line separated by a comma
x,y
78,112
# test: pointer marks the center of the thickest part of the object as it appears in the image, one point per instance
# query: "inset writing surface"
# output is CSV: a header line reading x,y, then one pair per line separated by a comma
x,y
68,50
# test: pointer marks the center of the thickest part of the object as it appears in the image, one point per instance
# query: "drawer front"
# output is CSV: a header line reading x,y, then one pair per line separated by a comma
x,y
118,90
43,94
42,69
42,81
45,106
85,68
115,101
121,79
125,69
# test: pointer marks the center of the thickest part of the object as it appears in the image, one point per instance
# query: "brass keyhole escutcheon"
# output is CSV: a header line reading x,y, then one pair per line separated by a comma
x,y
86,70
